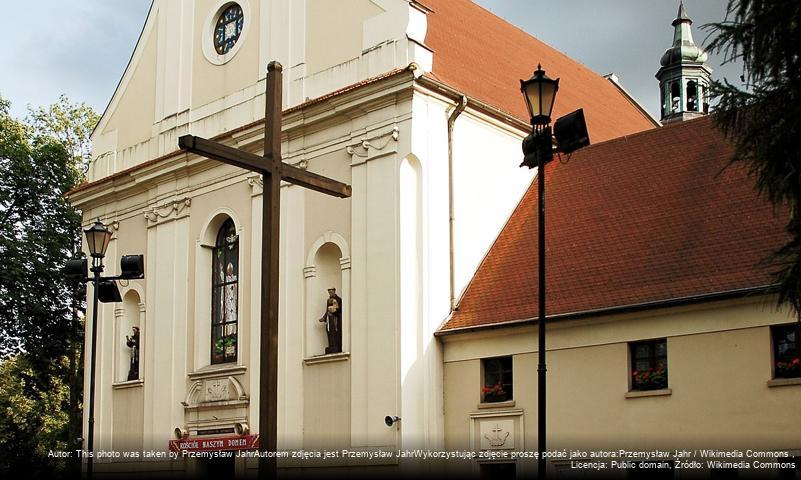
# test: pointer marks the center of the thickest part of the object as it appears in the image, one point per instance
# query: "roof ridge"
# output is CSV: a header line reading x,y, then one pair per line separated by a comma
x,y
652,131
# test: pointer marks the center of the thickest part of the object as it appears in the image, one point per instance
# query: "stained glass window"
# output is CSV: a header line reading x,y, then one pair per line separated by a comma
x,y
228,28
225,294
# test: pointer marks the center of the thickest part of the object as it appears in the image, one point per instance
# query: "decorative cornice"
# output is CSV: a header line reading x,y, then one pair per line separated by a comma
x,y
168,212
310,271
374,147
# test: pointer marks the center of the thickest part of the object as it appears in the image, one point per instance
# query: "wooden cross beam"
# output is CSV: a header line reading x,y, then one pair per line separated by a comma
x,y
273,170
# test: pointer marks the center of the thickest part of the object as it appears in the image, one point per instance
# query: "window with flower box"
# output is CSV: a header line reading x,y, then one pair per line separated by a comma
x,y
649,365
786,351
497,379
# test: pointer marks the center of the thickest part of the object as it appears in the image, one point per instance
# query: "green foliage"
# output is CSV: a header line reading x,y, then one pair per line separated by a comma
x,y
33,418
70,124
38,233
763,118
40,333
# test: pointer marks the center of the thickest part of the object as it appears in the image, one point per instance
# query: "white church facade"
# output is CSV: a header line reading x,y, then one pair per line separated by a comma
x,y
416,105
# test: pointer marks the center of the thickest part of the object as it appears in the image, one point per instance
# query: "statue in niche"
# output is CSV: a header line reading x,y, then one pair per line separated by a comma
x,y
133,344
333,321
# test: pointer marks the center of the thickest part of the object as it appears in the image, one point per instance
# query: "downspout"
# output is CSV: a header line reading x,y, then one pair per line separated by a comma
x,y
451,121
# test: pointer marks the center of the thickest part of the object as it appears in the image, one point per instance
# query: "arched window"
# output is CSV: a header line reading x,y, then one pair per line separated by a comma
x,y
675,98
225,294
692,96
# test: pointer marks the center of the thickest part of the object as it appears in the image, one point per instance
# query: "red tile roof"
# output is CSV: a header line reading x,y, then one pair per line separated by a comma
x,y
645,218
485,57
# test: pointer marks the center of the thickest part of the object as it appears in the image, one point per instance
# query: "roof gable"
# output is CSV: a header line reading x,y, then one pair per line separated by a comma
x,y
645,218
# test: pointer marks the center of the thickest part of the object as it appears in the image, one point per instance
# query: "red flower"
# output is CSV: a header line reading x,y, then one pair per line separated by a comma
x,y
796,361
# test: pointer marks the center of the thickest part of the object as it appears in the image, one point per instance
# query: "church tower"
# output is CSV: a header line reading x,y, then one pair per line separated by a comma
x,y
684,77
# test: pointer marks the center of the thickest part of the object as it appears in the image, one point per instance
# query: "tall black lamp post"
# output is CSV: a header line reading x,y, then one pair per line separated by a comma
x,y
105,290
540,92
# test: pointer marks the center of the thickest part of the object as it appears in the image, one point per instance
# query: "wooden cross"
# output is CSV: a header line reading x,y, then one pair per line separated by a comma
x,y
273,170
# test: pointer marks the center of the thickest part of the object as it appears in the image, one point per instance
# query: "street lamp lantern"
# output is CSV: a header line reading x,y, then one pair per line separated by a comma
x,y
98,238
540,93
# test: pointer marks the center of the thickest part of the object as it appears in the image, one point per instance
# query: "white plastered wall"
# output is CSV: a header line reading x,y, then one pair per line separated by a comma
x,y
170,88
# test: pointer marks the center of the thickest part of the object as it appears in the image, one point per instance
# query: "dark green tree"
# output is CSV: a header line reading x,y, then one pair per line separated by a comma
x,y
40,328
763,118
34,419
38,228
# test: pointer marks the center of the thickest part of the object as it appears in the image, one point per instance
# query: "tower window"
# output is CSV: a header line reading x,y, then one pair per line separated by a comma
x,y
675,97
225,294
692,96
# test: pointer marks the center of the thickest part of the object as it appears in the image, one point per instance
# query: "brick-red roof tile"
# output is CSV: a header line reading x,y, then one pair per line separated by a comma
x,y
485,57
645,218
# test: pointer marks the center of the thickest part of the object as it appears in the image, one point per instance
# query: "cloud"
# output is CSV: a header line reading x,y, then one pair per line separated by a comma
x,y
75,47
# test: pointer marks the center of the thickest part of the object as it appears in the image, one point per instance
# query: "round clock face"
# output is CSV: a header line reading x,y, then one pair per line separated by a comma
x,y
228,28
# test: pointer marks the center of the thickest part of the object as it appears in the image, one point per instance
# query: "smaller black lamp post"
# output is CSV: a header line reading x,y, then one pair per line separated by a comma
x,y
98,238
539,92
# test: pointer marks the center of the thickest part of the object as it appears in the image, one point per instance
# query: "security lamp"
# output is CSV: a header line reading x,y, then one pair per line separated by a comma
x,y
539,92
536,145
77,269
107,291
97,238
571,132
132,266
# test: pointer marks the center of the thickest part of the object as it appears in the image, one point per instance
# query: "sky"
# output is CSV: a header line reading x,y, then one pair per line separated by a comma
x,y
81,47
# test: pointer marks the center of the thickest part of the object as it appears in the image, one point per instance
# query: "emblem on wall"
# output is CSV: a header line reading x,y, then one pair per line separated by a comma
x,y
216,389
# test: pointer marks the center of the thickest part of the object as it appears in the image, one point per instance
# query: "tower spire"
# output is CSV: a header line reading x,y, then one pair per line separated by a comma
x,y
684,77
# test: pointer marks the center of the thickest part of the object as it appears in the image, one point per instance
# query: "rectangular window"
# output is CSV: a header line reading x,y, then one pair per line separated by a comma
x,y
786,354
649,365
497,381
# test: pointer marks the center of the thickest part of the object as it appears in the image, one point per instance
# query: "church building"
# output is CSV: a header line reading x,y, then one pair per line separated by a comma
x,y
662,332
417,106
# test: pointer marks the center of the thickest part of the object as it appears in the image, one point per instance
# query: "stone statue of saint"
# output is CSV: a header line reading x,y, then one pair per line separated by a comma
x,y
333,321
133,344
